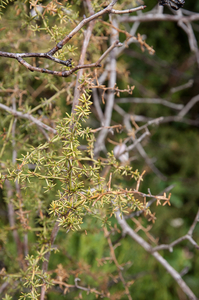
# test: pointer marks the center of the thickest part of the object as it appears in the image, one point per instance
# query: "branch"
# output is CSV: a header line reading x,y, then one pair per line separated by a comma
x,y
182,87
149,203
189,105
29,117
17,56
128,230
136,142
99,145
87,37
149,162
49,55
76,285
159,17
128,11
65,73
150,100
149,123
188,236
180,119
108,10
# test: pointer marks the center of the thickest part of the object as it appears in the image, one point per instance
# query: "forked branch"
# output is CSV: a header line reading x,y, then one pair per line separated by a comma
x,y
126,229
49,55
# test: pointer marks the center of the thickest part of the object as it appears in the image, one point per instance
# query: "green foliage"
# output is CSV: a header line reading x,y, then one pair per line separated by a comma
x,y
73,177
3,4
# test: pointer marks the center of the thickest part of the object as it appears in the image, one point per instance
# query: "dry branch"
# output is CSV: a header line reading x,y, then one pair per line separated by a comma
x,y
126,229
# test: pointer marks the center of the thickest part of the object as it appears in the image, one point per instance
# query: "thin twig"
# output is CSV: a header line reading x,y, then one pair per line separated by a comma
x,y
151,101
181,88
148,204
189,105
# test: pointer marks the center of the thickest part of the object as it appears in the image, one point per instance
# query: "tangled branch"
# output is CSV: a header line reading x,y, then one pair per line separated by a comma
x,y
49,55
